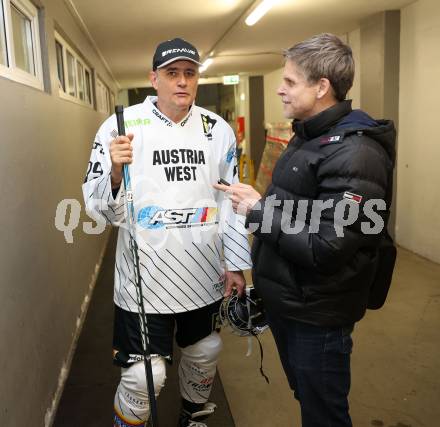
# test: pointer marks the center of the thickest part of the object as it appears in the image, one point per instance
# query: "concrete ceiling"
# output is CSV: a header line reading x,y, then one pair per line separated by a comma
x,y
127,32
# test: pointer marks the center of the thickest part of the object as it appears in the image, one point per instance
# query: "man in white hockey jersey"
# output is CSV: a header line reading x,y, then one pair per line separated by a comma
x,y
192,247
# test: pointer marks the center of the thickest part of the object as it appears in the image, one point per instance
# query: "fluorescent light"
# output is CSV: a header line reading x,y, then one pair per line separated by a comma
x,y
259,11
205,65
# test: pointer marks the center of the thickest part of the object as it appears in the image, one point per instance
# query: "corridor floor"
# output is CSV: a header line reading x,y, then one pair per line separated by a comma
x,y
395,364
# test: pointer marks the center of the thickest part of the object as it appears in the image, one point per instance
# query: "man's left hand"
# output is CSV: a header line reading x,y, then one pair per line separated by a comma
x,y
243,196
234,279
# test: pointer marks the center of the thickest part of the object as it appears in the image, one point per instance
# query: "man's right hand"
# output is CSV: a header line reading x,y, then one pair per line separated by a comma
x,y
121,152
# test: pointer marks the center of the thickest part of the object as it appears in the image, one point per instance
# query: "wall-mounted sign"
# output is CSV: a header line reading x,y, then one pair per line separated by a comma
x,y
231,80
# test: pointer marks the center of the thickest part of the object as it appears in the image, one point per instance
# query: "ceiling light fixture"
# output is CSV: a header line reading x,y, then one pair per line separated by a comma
x,y
205,65
259,12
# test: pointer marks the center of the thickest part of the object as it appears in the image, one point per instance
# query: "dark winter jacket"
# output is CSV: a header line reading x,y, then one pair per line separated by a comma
x,y
321,277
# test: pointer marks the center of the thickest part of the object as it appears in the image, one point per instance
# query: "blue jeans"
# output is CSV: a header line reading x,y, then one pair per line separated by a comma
x,y
316,361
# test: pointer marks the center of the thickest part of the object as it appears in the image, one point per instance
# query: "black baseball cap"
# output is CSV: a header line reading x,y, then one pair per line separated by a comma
x,y
173,50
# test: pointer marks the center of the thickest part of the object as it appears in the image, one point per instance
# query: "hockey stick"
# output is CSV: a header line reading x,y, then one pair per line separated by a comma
x,y
119,110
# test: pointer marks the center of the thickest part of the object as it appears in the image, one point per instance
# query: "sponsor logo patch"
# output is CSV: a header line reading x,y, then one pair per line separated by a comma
x,y
351,196
208,125
137,122
177,50
230,155
216,322
329,139
185,121
160,116
154,217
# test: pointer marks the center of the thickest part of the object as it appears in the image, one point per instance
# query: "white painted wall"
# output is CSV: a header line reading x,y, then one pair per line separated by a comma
x,y
418,171
241,92
122,98
273,108
354,40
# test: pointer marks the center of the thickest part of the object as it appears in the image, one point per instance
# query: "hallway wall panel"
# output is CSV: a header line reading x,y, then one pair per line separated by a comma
x,y
418,172
45,145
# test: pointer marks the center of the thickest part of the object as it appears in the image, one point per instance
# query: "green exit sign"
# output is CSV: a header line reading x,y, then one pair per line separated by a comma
x,y
231,80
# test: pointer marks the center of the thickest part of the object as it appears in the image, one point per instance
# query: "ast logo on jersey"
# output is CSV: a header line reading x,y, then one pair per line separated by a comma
x,y
153,217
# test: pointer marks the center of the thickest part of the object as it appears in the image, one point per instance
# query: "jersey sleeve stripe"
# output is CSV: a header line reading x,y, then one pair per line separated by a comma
x,y
235,253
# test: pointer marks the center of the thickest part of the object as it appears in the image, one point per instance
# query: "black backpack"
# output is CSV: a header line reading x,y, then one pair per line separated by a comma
x,y
385,261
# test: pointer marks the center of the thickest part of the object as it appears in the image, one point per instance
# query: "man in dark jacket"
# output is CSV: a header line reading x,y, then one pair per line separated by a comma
x,y
317,228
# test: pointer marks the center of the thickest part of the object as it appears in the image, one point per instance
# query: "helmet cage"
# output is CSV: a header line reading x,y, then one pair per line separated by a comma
x,y
244,315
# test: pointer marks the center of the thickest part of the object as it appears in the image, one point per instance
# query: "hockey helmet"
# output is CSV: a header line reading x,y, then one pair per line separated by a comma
x,y
245,315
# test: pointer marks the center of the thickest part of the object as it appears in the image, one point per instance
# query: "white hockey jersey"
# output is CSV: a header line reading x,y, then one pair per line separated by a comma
x,y
186,230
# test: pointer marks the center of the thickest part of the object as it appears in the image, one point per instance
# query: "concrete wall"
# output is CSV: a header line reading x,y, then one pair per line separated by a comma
x,y
227,104
122,98
354,40
379,80
46,143
273,108
256,111
242,108
418,172
379,58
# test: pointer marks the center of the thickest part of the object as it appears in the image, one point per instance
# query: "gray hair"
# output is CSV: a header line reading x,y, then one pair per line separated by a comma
x,y
325,56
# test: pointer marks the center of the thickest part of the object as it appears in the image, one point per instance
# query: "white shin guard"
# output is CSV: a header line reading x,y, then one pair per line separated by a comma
x,y
197,368
132,406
